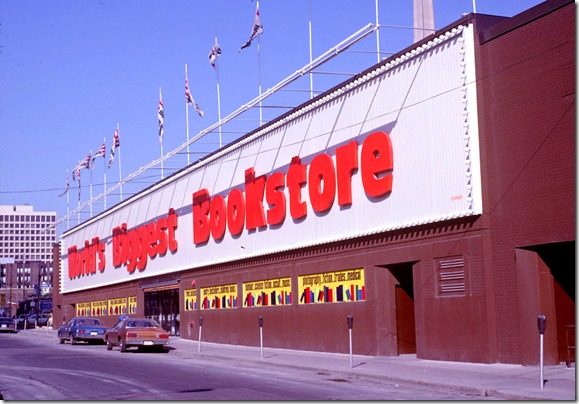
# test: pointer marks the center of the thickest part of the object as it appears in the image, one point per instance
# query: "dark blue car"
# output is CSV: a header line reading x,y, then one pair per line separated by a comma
x,y
82,329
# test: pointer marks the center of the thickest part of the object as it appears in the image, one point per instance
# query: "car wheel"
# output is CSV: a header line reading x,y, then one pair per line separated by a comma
x,y
61,340
123,345
109,345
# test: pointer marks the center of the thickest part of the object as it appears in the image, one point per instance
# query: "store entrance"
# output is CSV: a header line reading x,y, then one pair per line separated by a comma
x,y
163,306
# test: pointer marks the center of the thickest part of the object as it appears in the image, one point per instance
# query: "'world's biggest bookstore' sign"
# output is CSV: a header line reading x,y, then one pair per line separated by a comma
x,y
212,216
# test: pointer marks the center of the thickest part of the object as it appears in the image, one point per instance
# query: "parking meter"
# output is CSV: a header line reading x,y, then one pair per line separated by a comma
x,y
350,320
200,321
541,323
260,321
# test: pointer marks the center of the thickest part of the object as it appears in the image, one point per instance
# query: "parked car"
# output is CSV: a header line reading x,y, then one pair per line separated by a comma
x,y
82,329
7,324
137,332
33,320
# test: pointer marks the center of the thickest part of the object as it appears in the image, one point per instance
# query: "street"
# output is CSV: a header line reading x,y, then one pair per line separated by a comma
x,y
37,367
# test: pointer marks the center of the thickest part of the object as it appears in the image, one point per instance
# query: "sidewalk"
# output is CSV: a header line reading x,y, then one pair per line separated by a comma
x,y
501,381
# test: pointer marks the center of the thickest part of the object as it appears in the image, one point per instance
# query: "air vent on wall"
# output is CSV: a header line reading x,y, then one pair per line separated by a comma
x,y
451,279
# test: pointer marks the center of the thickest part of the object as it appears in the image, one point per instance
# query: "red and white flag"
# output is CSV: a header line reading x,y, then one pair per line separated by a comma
x,y
190,99
100,153
161,117
116,143
67,185
214,52
257,28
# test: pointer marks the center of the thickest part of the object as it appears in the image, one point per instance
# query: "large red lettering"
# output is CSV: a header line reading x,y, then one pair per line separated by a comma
x,y
346,164
275,198
235,212
254,192
377,164
322,183
201,216
218,219
296,177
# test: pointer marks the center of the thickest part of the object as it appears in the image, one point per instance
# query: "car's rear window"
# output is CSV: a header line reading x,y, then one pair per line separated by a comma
x,y
89,322
140,323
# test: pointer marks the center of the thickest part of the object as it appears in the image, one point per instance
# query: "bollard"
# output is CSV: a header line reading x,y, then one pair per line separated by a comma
x,y
350,320
260,321
541,324
200,325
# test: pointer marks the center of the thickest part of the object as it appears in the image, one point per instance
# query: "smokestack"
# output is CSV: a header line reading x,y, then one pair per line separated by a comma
x,y
423,19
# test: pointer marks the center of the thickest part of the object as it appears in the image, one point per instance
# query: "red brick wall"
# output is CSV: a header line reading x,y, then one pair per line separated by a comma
x,y
526,93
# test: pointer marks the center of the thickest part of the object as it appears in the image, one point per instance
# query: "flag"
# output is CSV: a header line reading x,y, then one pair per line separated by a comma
x,y
190,99
86,162
67,185
214,52
116,143
78,174
75,171
161,117
257,28
100,153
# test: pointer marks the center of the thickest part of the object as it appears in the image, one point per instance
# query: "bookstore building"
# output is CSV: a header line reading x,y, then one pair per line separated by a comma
x,y
430,197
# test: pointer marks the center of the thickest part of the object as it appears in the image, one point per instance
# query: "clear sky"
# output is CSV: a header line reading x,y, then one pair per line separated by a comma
x,y
71,70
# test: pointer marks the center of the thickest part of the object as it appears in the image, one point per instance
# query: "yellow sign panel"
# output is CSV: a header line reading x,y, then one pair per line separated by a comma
x,y
83,309
330,287
219,297
190,299
118,306
267,292
132,305
99,308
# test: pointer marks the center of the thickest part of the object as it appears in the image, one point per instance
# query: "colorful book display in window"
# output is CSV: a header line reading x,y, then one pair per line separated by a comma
x,y
99,308
83,309
219,297
267,292
132,305
190,299
117,306
331,287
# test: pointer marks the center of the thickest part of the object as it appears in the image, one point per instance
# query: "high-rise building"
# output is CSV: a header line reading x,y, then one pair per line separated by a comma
x,y
26,235
26,256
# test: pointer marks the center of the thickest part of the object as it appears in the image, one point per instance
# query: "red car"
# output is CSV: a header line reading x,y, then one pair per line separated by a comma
x,y
136,332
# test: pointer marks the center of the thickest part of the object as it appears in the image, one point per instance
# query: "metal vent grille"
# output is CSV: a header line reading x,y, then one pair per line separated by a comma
x,y
451,279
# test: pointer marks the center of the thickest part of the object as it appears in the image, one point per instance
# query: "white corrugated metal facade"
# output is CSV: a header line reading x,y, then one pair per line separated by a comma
x,y
424,100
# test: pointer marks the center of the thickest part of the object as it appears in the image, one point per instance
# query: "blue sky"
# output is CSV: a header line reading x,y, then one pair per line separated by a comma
x,y
71,70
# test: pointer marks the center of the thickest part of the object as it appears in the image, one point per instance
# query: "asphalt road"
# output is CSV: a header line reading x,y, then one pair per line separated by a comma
x,y
42,369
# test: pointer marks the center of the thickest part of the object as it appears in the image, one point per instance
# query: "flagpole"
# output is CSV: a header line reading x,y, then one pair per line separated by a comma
x,y
90,188
378,34
160,137
105,173
187,116
218,96
259,72
310,29
67,203
78,204
120,176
